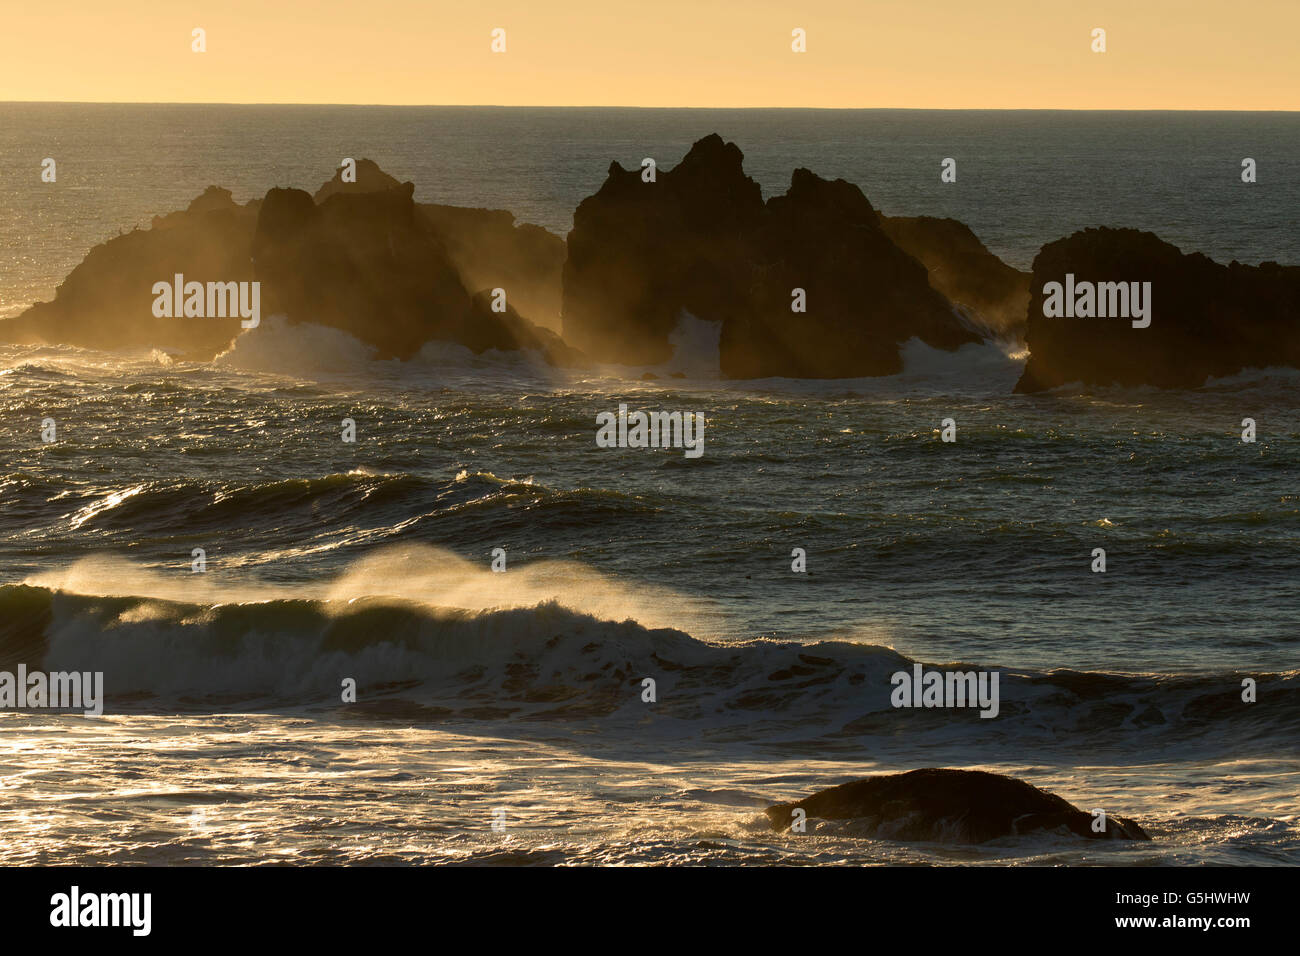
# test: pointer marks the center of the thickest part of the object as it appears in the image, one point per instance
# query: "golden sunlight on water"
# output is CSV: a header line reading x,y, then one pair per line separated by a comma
x,y
170,790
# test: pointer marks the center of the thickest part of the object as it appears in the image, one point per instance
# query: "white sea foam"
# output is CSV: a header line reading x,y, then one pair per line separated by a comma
x,y
311,351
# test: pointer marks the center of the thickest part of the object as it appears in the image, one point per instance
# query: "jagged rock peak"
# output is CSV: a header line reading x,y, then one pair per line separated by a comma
x,y
370,179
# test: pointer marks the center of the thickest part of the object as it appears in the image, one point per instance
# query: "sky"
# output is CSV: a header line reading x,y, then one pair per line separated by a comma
x,y
947,54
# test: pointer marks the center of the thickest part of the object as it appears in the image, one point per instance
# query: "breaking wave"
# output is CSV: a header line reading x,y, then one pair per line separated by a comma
x,y
448,647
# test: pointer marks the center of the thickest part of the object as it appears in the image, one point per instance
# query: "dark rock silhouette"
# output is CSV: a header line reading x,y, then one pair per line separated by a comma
x,y
951,806
365,258
994,295
639,253
370,179
369,263
106,302
1207,319
700,239
866,296
486,246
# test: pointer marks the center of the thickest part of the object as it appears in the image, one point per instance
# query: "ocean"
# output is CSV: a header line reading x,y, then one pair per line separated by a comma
x,y
500,717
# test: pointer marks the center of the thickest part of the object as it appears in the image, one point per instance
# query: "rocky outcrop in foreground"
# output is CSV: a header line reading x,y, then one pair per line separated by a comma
x,y
362,257
700,239
951,806
1206,319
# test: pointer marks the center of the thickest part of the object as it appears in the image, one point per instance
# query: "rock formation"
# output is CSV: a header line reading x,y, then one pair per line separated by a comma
x,y
369,179
369,263
365,257
362,257
994,295
639,253
953,806
491,251
700,239
486,246
106,302
1207,319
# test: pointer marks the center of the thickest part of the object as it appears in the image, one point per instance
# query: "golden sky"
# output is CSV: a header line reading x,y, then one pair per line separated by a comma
x,y
1029,54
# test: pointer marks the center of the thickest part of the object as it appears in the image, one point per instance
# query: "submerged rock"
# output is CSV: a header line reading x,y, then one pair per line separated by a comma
x,y
701,240
1206,319
952,806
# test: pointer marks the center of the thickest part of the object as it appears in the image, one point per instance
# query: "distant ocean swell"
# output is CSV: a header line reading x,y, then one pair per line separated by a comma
x,y
359,509
357,504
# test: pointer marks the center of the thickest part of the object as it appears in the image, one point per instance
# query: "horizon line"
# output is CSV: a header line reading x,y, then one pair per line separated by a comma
x,y
607,106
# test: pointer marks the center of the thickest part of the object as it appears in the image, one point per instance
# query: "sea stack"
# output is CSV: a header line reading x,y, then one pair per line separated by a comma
x,y
1207,320
806,285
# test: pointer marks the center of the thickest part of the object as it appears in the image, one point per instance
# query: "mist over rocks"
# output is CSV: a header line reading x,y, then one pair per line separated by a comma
x,y
700,239
639,253
1206,319
994,295
106,302
866,296
362,256
492,251
951,806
